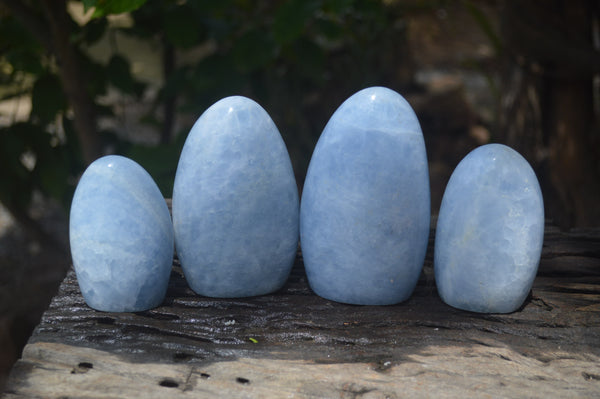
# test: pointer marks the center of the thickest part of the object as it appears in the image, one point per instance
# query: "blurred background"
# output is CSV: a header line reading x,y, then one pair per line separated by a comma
x,y
81,79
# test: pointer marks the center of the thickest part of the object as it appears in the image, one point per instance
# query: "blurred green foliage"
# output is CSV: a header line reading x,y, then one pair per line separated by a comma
x,y
106,7
298,58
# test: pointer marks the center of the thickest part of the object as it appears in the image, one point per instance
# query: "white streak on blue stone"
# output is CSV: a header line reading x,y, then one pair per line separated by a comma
x,y
235,203
490,232
121,237
365,206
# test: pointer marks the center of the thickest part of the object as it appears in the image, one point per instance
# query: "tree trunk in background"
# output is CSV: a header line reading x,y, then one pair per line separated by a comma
x,y
548,102
73,79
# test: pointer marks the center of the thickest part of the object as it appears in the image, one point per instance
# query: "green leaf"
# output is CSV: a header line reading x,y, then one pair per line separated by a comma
x,y
253,50
19,48
23,59
214,77
337,6
47,98
13,144
94,30
32,135
330,29
51,173
119,74
291,19
15,186
182,27
16,181
310,59
88,4
97,79
212,71
105,7
13,33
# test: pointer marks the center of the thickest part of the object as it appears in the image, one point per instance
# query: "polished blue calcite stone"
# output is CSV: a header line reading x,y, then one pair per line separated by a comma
x,y
489,232
235,203
365,209
121,237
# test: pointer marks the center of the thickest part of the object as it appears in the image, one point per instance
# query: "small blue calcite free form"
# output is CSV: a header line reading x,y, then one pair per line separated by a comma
x,y
121,237
489,232
365,209
235,203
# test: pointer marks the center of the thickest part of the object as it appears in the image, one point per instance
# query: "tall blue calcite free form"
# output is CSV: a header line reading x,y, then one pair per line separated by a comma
x,y
490,232
121,237
235,203
365,209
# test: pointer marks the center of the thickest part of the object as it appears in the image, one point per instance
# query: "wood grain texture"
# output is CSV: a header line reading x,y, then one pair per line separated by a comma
x,y
296,344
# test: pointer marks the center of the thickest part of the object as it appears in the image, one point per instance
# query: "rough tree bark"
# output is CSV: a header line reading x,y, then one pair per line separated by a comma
x,y
547,106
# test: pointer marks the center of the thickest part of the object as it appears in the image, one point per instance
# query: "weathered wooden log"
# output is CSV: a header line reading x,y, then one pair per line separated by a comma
x,y
296,344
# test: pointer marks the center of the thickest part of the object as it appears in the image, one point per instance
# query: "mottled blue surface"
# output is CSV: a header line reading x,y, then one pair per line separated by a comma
x,y
235,203
364,219
121,237
489,232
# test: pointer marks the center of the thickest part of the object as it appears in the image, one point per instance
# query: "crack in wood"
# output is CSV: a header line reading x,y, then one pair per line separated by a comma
x,y
591,377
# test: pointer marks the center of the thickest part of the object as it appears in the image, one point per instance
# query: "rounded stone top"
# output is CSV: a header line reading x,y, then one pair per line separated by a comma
x,y
382,109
